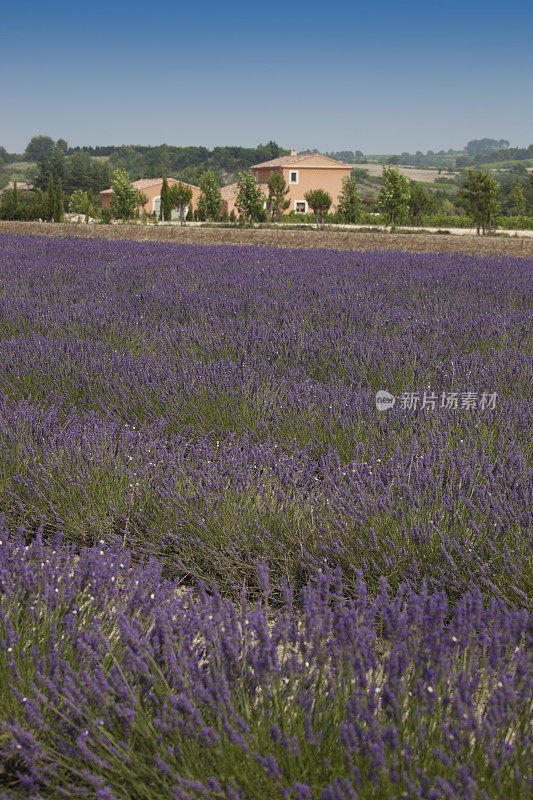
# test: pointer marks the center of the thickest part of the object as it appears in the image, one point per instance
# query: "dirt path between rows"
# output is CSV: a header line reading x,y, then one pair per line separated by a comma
x,y
269,237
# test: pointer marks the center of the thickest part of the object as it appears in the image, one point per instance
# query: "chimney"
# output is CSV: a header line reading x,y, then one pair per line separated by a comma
x,y
293,152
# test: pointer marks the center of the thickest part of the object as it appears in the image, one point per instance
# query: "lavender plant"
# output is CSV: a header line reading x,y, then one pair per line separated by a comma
x,y
116,684
357,619
215,405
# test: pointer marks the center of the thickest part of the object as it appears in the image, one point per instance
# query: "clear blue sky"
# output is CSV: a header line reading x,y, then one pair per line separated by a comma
x,y
382,78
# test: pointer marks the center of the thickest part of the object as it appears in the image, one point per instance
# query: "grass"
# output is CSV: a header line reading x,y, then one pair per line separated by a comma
x,y
15,171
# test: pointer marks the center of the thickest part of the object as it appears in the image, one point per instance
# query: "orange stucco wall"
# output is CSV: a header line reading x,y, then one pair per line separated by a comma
x,y
229,205
151,193
309,177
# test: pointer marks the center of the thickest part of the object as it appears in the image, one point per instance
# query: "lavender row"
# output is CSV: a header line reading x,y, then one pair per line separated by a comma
x,y
212,406
116,683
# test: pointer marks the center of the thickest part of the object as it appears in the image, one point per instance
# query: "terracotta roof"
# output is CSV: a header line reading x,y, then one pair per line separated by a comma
x,y
292,161
229,192
146,183
23,186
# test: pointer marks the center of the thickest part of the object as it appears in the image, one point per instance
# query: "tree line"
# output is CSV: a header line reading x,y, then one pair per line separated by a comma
x,y
141,161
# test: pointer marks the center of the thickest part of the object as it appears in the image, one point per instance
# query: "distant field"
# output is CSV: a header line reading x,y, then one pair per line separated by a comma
x,y
505,165
413,173
17,171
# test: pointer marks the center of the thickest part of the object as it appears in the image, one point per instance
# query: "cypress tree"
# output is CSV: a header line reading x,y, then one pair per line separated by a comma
x,y
50,198
165,210
58,203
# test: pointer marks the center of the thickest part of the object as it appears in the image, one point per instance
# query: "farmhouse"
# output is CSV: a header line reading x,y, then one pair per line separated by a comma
x,y
22,186
229,197
303,173
151,188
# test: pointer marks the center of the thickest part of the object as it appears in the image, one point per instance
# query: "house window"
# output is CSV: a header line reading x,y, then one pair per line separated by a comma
x,y
156,204
293,177
301,207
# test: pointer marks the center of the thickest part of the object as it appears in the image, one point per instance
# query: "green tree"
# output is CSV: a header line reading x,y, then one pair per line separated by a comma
x,y
277,192
125,198
23,205
320,202
83,203
420,203
480,192
393,198
250,199
59,211
447,207
165,208
180,198
39,146
210,200
349,206
50,199
518,199
61,144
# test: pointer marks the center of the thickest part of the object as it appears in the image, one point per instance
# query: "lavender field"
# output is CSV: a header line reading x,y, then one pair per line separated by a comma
x,y
224,572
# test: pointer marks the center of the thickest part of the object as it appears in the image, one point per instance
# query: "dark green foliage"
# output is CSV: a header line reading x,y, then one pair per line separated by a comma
x,y
349,206
360,174
277,195
320,202
78,171
420,203
126,199
39,146
476,146
394,196
347,156
180,197
54,164
250,199
106,215
83,203
480,192
519,201
50,198
59,210
186,163
23,205
210,201
165,208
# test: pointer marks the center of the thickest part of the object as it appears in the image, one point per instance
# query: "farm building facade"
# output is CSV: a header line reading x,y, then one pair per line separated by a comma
x,y
151,189
302,173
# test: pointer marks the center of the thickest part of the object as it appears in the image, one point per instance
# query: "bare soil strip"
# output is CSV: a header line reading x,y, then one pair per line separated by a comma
x,y
270,237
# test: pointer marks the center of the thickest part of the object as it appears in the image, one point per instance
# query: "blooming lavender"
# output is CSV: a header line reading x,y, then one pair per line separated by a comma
x,y
223,572
116,684
215,405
